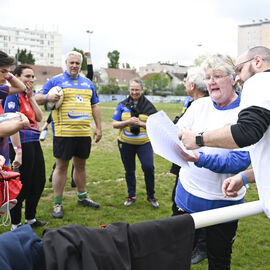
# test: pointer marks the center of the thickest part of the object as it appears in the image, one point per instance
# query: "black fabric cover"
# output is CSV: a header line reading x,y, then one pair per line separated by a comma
x,y
157,244
144,106
164,244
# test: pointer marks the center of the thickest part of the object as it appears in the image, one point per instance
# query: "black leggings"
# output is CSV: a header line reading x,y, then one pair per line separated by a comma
x,y
33,179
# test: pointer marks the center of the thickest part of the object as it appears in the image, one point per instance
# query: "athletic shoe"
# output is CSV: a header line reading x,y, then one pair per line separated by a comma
x,y
38,223
15,226
88,202
198,256
130,201
153,202
58,211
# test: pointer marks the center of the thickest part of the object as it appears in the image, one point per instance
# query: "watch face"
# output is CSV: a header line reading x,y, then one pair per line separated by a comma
x,y
199,140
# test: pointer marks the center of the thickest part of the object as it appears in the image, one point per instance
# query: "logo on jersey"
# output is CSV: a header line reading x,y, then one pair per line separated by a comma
x,y
85,84
74,115
79,99
11,105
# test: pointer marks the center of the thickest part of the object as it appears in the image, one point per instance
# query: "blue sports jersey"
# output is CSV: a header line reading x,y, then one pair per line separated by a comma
x,y
28,134
73,117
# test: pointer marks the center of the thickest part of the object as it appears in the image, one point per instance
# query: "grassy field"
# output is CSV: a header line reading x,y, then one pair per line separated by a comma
x,y
106,185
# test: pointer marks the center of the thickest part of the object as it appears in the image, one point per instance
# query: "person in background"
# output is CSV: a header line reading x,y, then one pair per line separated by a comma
x,y
199,185
25,151
15,86
252,129
71,131
196,88
89,75
130,117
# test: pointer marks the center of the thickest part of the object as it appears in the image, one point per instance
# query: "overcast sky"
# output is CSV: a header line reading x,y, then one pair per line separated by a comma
x,y
143,31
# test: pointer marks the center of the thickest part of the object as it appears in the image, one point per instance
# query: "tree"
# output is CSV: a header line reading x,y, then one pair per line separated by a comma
x,y
180,90
24,58
198,61
111,88
84,63
157,83
126,65
114,59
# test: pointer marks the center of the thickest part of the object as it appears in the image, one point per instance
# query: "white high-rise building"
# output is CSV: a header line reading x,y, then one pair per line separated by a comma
x,y
46,47
254,34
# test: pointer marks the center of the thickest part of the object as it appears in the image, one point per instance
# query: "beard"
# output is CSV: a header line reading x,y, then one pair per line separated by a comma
x,y
251,71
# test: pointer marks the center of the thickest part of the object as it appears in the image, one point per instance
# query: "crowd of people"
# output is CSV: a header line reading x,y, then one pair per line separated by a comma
x,y
217,118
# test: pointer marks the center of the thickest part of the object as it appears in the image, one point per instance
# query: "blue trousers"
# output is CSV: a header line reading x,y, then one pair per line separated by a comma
x,y
145,154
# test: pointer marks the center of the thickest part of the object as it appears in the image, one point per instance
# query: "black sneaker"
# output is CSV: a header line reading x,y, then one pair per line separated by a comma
x,y
38,223
89,203
153,202
58,211
130,201
198,256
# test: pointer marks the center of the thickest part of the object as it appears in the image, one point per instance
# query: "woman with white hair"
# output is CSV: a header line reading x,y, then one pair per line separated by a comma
x,y
199,186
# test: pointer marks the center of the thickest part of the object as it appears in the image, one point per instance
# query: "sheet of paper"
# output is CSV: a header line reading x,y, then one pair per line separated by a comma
x,y
163,135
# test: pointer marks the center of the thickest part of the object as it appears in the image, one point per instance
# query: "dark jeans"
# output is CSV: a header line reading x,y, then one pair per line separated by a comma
x,y
219,239
145,154
33,179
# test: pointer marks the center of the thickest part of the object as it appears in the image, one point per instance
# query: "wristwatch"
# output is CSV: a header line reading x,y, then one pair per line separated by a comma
x,y
199,139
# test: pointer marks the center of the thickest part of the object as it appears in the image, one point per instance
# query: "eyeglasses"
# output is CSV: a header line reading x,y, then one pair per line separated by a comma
x,y
239,67
216,77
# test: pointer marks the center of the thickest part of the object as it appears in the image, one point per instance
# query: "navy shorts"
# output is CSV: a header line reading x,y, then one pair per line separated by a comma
x,y
65,148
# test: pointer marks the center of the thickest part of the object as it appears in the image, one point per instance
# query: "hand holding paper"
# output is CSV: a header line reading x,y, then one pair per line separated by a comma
x,y
163,135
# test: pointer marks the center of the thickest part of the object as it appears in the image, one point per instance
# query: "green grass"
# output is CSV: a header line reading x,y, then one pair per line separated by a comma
x,y
106,185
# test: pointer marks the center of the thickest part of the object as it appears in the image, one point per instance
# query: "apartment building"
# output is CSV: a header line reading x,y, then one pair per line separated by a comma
x,y
46,47
162,67
254,34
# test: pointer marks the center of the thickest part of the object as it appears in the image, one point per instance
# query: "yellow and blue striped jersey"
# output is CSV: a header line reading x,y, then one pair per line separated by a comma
x,y
73,117
122,113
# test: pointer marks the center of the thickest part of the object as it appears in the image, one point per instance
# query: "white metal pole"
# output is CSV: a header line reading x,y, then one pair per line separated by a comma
x,y
224,214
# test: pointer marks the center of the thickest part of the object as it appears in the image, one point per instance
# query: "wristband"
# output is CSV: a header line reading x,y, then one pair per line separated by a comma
x,y
122,123
244,180
46,97
10,78
17,147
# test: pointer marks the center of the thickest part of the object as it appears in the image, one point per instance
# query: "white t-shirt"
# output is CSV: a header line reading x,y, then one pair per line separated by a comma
x,y
203,116
256,92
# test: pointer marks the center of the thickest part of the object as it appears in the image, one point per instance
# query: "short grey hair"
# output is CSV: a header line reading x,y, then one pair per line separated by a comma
x,y
196,76
138,81
74,53
264,52
219,62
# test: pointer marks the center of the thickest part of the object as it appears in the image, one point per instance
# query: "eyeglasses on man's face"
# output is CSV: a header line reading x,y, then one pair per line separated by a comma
x,y
240,66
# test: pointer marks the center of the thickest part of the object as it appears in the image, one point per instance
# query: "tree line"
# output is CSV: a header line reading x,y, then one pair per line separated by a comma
x,y
156,84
